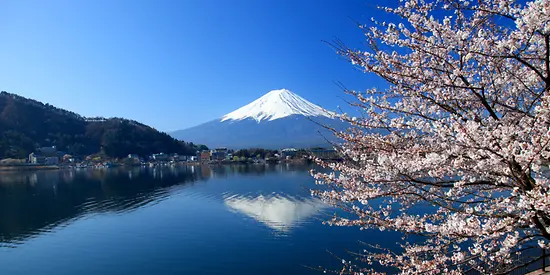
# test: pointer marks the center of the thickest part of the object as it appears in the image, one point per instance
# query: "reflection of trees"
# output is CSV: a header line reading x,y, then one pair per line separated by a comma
x,y
32,202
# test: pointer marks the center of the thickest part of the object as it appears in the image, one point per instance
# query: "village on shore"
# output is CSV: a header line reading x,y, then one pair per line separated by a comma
x,y
51,158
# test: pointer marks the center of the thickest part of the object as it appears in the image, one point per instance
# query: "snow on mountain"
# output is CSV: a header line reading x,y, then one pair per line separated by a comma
x,y
278,119
275,105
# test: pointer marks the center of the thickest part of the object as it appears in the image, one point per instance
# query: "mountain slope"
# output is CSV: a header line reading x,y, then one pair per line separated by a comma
x,y
26,124
278,119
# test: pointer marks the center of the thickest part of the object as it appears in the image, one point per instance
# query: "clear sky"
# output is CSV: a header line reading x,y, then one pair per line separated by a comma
x,y
176,64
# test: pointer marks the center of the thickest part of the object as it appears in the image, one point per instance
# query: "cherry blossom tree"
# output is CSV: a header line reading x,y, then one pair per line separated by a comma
x,y
462,130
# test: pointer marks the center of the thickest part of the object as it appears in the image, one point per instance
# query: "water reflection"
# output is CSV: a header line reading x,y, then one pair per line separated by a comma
x,y
32,203
277,212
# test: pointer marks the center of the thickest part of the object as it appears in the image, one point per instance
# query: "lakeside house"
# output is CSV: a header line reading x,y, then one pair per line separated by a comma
x,y
45,156
38,159
35,158
177,157
219,154
161,157
204,156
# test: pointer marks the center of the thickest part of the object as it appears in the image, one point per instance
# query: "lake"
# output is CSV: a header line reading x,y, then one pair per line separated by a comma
x,y
248,219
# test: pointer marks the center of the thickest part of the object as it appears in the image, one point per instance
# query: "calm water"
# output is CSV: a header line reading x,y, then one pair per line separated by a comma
x,y
184,220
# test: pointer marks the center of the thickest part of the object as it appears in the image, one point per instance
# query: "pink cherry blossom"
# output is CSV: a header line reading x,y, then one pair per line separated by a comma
x,y
463,126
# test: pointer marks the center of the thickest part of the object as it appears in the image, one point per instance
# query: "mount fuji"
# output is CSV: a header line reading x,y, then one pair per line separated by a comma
x,y
278,119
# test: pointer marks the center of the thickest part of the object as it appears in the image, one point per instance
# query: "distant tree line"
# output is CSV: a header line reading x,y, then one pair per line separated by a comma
x,y
26,124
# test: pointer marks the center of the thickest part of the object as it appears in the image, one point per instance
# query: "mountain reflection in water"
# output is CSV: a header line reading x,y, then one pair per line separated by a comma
x,y
277,212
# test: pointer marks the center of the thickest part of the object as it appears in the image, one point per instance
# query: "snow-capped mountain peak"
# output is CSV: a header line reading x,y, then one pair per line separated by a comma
x,y
278,119
276,104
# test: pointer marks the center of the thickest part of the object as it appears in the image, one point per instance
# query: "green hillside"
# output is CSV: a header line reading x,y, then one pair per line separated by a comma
x,y
26,124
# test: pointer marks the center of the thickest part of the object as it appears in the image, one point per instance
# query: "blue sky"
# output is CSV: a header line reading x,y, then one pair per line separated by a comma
x,y
176,64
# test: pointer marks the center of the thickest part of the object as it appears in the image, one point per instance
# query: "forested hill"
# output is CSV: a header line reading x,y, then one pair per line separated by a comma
x,y
27,124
